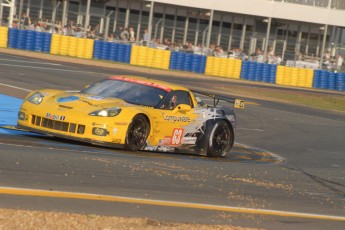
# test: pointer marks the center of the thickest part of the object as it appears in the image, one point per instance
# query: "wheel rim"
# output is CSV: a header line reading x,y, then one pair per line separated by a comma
x,y
221,139
137,133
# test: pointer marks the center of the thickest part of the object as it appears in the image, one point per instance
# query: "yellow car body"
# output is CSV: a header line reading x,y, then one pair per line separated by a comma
x,y
136,117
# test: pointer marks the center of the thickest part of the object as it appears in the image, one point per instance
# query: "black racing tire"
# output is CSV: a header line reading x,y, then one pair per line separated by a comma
x,y
220,139
137,133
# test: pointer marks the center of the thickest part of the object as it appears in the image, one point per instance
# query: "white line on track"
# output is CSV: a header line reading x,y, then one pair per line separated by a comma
x,y
259,130
15,87
36,67
166,203
33,62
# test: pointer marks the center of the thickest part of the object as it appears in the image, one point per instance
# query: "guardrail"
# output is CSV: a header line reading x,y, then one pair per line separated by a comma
x,y
164,59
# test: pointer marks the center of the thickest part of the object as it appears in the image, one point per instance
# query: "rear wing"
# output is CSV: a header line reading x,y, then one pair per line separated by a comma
x,y
238,103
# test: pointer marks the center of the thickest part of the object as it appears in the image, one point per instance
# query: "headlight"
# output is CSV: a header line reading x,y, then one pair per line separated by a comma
x,y
111,112
36,98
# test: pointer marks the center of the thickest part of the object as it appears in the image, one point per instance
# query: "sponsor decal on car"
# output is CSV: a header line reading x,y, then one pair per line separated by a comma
x,y
120,123
141,82
175,118
55,117
165,142
177,136
87,102
67,99
188,140
174,140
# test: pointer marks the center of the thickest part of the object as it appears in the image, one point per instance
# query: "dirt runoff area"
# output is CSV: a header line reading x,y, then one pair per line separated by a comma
x,y
27,220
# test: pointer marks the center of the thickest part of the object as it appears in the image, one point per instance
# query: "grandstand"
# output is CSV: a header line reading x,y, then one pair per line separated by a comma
x,y
290,27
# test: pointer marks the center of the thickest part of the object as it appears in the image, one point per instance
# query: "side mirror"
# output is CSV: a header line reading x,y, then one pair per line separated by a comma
x,y
183,108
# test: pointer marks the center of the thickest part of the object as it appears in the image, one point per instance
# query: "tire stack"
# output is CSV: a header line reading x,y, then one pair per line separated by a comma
x,y
3,37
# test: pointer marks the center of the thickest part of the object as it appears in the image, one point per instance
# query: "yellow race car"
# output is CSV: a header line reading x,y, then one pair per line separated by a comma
x,y
135,114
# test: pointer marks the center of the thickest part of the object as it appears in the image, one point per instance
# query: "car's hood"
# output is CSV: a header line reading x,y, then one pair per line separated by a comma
x,y
80,101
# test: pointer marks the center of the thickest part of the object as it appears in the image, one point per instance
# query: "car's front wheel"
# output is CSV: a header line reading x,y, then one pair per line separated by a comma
x,y
220,140
137,133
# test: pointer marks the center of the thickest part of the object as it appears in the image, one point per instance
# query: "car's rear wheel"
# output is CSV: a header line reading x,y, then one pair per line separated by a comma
x,y
220,140
137,133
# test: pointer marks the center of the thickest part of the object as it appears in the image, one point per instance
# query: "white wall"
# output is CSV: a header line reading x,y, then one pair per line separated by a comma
x,y
268,8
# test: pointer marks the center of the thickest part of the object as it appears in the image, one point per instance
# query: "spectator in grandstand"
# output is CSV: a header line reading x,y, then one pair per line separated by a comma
x,y
167,42
78,32
131,34
88,29
145,37
38,27
65,30
111,38
258,56
339,62
219,52
197,49
32,25
118,33
124,35
14,25
153,43
270,55
326,59
189,47
26,21
277,59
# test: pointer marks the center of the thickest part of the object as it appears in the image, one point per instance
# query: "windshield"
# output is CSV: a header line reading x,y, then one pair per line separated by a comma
x,y
130,92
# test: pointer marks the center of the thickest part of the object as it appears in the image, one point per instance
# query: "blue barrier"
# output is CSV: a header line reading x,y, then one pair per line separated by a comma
x,y
187,65
30,40
120,53
323,79
187,62
340,81
127,56
331,81
316,80
245,70
105,51
21,42
97,49
38,44
47,38
252,71
113,51
198,63
12,37
180,61
273,73
258,71
173,60
266,72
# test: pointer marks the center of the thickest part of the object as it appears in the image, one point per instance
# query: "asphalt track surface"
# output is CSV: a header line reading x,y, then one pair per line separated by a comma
x,y
287,170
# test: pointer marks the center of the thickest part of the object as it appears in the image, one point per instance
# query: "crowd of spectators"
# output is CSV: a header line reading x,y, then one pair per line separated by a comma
x,y
127,35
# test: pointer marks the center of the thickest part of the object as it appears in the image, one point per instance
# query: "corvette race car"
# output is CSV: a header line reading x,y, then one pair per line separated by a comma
x,y
133,113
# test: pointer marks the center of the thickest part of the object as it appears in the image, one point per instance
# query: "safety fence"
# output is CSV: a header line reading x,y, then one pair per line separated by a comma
x,y
72,46
3,37
292,76
111,51
150,57
329,80
165,59
223,67
257,71
187,62
29,40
